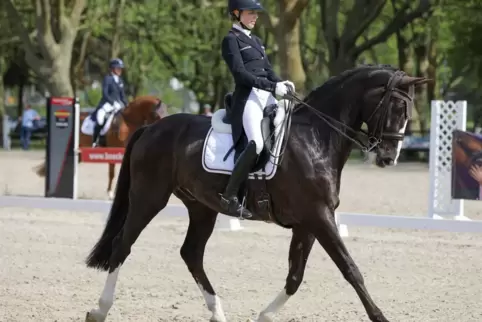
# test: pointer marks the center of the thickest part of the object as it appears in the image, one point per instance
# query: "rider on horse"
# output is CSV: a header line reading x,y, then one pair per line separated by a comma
x,y
256,82
113,98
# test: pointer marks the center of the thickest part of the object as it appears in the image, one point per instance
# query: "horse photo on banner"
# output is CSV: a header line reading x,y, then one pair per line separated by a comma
x,y
466,165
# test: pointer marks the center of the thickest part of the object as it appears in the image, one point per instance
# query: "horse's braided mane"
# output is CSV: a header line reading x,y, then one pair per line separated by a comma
x,y
333,83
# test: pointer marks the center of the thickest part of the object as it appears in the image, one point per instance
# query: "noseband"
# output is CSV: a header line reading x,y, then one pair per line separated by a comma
x,y
375,137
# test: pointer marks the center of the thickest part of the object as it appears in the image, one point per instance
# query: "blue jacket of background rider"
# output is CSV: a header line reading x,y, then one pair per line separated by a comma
x,y
112,89
113,98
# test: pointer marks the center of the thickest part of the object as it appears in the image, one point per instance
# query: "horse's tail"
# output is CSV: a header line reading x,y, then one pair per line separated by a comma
x,y
99,257
40,169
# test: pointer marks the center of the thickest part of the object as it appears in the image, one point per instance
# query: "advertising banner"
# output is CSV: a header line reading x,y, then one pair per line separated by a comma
x,y
466,165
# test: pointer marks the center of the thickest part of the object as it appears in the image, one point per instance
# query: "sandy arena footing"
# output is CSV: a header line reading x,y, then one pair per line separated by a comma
x,y
421,276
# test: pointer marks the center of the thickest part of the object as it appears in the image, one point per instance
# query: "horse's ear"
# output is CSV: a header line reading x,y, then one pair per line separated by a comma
x,y
416,81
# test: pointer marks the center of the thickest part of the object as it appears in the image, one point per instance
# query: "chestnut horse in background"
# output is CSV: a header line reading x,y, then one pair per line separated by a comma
x,y
141,111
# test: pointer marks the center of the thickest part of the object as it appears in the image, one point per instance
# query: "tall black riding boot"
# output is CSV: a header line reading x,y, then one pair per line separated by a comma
x,y
95,136
229,200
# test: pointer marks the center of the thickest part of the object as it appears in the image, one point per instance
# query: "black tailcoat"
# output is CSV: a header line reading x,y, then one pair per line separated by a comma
x,y
250,67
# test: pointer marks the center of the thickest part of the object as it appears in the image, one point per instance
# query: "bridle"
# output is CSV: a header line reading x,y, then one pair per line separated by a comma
x,y
386,105
160,109
157,111
374,137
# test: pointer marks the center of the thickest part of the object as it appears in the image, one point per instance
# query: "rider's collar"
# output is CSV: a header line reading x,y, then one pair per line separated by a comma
x,y
245,31
116,77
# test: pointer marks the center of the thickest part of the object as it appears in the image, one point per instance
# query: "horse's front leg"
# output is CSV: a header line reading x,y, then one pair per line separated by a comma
x,y
300,248
110,192
324,227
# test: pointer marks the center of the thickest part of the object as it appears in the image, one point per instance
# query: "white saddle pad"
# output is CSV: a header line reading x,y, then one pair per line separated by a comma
x,y
88,125
219,140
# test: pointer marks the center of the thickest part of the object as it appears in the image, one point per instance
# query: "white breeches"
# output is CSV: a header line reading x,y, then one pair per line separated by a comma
x,y
253,115
107,108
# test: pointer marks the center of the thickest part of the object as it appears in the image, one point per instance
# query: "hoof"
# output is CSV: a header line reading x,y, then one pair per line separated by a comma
x,y
92,317
379,318
110,194
216,319
264,318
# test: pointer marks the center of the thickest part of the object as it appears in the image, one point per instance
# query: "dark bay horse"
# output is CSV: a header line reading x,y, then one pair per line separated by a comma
x,y
140,111
165,158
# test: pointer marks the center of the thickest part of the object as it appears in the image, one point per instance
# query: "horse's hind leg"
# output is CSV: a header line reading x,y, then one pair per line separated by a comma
x,y
201,224
106,299
326,232
300,248
145,202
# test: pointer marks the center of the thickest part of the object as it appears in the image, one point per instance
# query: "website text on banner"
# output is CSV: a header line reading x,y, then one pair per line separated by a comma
x,y
101,155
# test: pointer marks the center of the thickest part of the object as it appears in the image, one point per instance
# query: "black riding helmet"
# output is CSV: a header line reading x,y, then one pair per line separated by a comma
x,y
241,5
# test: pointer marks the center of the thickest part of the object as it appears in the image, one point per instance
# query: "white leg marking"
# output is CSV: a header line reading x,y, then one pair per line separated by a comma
x,y
274,307
213,302
399,146
110,194
107,298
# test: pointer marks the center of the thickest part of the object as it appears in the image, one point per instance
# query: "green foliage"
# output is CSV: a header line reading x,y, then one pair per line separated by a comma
x,y
91,97
464,21
160,40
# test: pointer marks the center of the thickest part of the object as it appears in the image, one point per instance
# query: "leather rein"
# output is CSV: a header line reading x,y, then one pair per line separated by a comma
x,y
385,105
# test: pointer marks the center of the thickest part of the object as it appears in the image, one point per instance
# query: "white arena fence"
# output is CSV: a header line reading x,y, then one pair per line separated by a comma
x,y
445,213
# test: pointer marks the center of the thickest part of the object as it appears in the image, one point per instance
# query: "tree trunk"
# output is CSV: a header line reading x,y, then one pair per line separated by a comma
x,y
421,67
341,63
286,29
50,58
405,64
117,25
432,73
59,82
432,87
21,88
3,69
404,53
291,64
